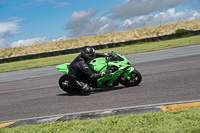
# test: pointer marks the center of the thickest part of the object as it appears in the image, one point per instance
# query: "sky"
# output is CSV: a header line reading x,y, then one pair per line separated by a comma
x,y
28,22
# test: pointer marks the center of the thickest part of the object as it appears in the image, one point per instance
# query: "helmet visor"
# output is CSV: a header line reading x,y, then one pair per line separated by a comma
x,y
90,56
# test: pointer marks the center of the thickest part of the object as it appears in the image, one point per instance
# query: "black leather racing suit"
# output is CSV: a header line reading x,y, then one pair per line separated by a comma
x,y
79,70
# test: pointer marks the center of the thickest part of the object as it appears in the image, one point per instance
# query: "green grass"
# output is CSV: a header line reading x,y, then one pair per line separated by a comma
x,y
131,49
157,122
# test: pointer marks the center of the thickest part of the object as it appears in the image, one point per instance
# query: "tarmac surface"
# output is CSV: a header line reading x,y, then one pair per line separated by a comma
x,y
168,76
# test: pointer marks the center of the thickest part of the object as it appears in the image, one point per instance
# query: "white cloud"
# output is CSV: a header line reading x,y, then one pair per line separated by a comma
x,y
78,22
86,23
63,3
54,2
29,42
101,25
79,19
132,8
33,41
59,39
9,28
126,22
166,17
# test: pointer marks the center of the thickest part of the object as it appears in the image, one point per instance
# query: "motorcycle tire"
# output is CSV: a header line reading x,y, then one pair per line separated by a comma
x,y
135,76
63,83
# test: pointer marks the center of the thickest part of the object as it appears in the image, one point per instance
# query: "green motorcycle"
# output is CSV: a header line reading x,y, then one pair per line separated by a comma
x,y
122,73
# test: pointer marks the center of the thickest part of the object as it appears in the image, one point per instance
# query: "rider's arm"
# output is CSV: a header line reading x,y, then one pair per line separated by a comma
x,y
101,55
89,73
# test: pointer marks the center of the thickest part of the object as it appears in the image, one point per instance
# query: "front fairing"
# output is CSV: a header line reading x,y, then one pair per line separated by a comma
x,y
119,60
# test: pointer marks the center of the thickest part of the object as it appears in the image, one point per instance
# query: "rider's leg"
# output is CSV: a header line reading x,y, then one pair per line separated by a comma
x,y
84,86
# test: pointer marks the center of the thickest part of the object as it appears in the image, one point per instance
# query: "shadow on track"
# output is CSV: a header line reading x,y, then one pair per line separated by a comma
x,y
95,91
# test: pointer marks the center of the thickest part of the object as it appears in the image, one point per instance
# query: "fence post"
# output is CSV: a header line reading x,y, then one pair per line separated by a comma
x,y
98,33
196,17
113,30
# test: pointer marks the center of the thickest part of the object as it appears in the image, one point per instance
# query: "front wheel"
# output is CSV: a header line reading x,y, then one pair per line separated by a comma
x,y
135,79
64,85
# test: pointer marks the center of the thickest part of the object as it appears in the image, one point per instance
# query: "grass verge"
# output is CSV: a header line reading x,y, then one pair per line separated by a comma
x,y
166,122
131,49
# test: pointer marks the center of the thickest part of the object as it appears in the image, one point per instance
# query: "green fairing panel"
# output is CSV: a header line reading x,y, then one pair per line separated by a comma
x,y
113,77
120,63
98,65
63,68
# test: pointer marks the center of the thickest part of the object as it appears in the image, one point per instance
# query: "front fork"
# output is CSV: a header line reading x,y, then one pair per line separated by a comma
x,y
127,72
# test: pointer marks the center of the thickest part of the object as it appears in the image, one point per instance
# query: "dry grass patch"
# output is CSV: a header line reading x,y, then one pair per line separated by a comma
x,y
100,39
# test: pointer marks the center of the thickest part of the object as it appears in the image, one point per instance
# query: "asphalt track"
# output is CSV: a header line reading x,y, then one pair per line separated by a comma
x,y
165,79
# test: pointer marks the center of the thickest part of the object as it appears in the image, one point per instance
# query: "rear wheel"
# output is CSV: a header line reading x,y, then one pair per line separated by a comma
x,y
64,85
135,79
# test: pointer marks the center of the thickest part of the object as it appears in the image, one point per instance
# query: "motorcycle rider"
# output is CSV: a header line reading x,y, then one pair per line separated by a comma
x,y
79,69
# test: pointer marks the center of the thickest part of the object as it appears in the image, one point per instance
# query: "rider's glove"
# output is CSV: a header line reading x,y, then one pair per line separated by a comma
x,y
106,72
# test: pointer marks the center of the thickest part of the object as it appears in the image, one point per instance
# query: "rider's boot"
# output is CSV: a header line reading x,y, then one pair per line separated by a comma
x,y
85,87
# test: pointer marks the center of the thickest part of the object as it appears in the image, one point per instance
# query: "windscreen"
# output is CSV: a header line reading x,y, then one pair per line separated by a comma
x,y
116,57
